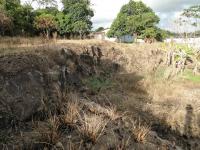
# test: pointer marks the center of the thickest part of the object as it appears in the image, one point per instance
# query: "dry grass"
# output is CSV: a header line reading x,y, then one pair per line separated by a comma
x,y
9,42
50,134
169,104
123,145
92,127
71,113
112,113
140,132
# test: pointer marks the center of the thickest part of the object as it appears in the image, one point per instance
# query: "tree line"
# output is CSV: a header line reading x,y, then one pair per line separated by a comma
x,y
21,19
74,20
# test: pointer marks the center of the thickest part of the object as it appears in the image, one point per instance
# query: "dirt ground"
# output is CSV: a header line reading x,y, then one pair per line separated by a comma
x,y
126,79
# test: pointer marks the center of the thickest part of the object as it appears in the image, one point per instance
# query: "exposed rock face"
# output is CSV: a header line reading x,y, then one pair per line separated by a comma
x,y
22,86
22,94
31,82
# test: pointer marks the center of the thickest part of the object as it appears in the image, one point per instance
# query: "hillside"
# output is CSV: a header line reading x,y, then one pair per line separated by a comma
x,y
94,95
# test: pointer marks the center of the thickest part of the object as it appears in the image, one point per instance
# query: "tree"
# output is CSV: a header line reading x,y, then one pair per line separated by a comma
x,y
20,16
119,26
2,4
134,18
80,14
80,27
48,10
193,13
23,19
45,23
99,29
5,22
64,24
149,33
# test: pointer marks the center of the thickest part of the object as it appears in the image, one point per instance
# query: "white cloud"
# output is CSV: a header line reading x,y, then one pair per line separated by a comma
x,y
106,11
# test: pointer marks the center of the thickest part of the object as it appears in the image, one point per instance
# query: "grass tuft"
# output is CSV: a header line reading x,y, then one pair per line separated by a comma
x,y
51,134
71,113
92,127
140,132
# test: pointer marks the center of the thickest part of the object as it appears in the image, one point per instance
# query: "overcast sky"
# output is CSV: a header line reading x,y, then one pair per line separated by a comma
x,y
106,10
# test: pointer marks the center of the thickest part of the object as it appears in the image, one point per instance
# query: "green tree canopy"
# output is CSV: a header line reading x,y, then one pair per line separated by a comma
x,y
99,29
64,23
21,19
80,14
80,27
20,16
45,23
135,18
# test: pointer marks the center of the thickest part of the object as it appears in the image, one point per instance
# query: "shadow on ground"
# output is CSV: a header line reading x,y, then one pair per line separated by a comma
x,y
33,84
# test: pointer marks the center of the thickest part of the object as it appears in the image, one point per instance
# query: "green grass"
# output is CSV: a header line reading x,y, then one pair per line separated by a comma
x,y
188,75
97,83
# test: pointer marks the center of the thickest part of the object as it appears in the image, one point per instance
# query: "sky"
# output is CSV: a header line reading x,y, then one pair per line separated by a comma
x,y
105,11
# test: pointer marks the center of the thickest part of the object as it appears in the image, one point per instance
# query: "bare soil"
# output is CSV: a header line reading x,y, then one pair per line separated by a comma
x,y
33,89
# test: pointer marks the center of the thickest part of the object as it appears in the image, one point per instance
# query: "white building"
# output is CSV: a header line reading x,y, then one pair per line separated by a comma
x,y
103,36
193,42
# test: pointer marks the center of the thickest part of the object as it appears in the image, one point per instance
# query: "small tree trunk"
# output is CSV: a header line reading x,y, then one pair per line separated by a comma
x,y
55,34
81,36
195,70
47,34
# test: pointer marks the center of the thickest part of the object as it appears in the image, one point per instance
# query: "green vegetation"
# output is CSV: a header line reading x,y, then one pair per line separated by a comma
x,y
45,23
188,75
188,50
99,29
135,18
17,19
98,83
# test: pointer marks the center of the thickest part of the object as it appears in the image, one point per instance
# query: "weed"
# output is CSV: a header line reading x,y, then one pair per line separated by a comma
x,y
98,83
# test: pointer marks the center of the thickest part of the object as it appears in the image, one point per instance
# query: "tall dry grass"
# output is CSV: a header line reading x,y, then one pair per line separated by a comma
x,y
50,134
92,127
71,113
140,132
170,100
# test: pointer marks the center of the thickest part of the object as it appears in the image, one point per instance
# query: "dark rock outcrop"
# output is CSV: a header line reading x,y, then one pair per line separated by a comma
x,y
23,86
